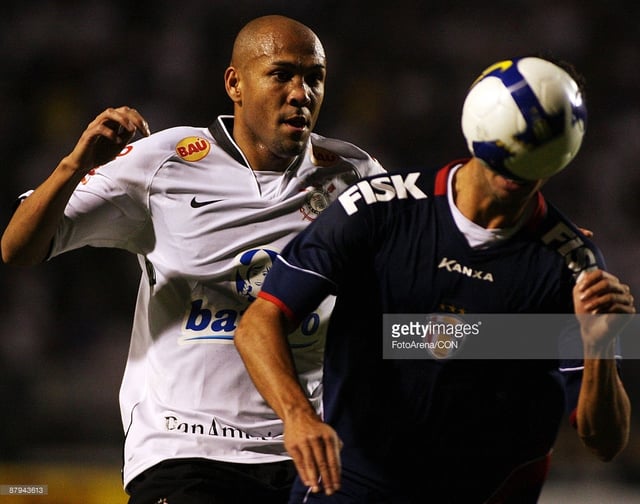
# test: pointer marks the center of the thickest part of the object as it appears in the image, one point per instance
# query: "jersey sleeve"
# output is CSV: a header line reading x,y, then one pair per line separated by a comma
x,y
109,208
100,214
364,164
315,262
571,361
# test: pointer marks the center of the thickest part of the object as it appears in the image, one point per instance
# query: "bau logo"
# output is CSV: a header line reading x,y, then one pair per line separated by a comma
x,y
193,148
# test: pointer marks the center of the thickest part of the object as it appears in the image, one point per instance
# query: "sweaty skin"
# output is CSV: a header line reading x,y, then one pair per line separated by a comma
x,y
276,81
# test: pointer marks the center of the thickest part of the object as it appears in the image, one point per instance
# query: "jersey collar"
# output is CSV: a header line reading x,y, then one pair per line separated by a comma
x,y
441,188
221,131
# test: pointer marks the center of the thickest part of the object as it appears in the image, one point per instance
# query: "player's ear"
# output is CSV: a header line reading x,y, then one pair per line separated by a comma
x,y
232,84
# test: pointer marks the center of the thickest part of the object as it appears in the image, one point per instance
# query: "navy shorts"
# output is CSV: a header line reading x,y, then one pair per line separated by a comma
x,y
522,486
352,491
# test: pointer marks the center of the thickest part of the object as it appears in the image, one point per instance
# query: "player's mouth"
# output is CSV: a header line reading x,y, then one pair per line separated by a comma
x,y
298,122
514,186
513,183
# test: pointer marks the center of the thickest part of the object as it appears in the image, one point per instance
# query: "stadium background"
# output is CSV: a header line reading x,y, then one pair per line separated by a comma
x,y
398,73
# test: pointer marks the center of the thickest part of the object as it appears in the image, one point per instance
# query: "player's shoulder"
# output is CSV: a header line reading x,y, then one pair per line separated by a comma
x,y
162,145
327,151
170,138
560,234
325,145
556,218
390,192
427,180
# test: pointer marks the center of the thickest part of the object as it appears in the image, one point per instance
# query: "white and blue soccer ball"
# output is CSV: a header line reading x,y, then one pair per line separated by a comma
x,y
525,118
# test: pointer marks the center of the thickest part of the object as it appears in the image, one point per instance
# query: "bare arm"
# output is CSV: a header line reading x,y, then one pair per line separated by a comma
x,y
27,238
604,409
313,445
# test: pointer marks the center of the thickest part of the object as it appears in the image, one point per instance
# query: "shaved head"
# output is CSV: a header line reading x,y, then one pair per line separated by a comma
x,y
267,35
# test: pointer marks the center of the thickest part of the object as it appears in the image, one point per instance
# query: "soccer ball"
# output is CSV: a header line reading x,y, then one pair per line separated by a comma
x,y
525,118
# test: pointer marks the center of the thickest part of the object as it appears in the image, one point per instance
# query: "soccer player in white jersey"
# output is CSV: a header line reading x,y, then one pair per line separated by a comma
x,y
205,210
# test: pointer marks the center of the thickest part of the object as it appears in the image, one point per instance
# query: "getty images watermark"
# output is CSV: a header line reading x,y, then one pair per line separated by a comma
x,y
500,336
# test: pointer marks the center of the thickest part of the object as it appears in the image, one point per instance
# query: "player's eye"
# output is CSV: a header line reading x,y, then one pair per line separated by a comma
x,y
282,75
314,79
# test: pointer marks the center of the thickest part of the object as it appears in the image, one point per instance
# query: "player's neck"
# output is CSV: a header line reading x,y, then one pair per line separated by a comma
x,y
486,202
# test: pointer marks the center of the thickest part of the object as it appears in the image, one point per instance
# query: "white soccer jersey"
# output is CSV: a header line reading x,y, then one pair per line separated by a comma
x,y
206,228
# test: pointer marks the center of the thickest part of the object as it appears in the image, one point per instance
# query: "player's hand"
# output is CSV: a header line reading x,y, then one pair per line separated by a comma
x,y
315,449
601,302
106,136
587,232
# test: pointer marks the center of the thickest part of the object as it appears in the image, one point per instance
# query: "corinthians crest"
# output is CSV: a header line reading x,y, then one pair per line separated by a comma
x,y
325,184
316,201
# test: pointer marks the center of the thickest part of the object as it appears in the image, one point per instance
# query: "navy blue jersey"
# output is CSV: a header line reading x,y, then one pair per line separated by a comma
x,y
389,244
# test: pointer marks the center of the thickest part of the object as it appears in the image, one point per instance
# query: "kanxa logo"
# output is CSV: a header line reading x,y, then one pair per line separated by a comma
x,y
455,267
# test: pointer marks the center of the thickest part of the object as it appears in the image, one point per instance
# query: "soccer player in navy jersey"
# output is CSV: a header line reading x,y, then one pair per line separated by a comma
x,y
205,209
467,238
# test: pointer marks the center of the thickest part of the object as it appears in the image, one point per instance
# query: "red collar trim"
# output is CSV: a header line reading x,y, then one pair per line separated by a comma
x,y
441,186
442,177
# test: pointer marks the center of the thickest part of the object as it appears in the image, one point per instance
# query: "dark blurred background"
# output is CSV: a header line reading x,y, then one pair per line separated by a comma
x,y
398,73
